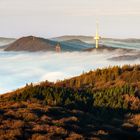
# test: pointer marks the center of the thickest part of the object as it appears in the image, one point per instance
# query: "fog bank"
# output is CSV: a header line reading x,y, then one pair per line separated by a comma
x,y
20,68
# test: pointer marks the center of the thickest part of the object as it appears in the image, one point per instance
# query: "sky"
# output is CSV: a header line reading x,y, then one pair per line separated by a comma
x,y
51,18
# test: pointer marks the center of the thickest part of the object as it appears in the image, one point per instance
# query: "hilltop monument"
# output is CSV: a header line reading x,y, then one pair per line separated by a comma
x,y
97,37
58,48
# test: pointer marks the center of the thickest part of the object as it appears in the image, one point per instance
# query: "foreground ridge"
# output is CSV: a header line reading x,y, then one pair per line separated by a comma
x,y
102,105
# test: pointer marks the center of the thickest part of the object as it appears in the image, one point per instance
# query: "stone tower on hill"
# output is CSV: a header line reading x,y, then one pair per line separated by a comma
x,y
58,48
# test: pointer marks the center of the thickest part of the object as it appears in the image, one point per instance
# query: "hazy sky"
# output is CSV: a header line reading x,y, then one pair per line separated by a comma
x,y
48,18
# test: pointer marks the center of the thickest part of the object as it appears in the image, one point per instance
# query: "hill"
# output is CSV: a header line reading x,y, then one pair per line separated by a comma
x,y
121,54
102,105
73,37
128,40
31,43
90,39
103,48
125,57
75,45
130,43
72,43
34,44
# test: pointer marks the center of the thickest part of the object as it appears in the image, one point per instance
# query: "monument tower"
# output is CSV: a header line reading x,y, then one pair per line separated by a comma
x,y
58,48
97,37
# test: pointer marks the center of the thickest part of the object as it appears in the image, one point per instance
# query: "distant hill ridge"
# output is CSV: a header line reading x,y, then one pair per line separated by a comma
x,y
34,44
82,37
72,37
68,43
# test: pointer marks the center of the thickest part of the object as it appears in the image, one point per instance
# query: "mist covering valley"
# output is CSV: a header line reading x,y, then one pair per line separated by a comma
x,y
5,41
19,68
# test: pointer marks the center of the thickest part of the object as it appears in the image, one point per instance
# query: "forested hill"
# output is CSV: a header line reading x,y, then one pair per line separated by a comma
x,y
102,104
106,78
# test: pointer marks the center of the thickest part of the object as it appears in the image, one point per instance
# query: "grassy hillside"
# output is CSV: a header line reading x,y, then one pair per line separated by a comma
x,y
102,105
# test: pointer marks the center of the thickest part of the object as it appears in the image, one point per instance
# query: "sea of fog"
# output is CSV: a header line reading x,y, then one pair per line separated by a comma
x,y
19,68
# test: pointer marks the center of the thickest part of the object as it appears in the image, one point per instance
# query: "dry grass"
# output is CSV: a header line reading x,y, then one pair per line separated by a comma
x,y
135,119
39,122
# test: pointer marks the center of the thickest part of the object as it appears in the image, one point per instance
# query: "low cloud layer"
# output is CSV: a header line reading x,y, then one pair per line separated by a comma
x,y
17,69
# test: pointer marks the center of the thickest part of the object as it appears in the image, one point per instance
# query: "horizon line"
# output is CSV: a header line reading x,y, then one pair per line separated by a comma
x,y
68,35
